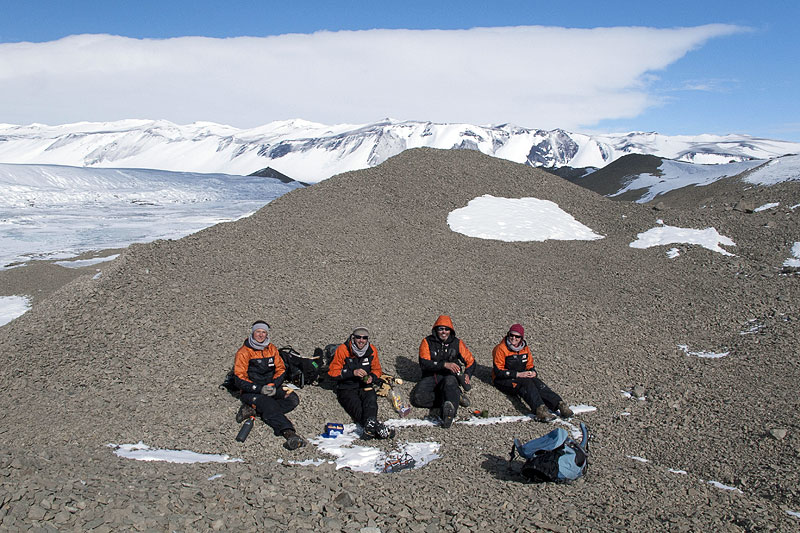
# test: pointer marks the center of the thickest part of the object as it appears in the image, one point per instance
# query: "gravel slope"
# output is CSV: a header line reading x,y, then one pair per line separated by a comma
x,y
137,354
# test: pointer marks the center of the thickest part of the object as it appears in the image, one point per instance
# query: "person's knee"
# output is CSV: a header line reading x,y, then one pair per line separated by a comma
x,y
291,401
449,381
422,398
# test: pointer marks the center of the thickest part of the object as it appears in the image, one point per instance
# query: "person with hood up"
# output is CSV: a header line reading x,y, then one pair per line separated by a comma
x,y
259,372
356,368
513,373
441,356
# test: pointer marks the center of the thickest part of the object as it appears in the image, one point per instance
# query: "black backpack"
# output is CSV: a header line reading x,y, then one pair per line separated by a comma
x,y
301,370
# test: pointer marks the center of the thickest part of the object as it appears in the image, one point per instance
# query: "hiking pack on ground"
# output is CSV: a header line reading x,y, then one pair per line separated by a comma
x,y
553,457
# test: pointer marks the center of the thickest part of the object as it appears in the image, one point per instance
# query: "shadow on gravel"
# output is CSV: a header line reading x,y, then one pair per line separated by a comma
x,y
483,373
501,468
407,369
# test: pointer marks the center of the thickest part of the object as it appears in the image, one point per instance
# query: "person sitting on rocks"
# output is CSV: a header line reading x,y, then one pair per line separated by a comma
x,y
259,372
356,368
441,356
513,373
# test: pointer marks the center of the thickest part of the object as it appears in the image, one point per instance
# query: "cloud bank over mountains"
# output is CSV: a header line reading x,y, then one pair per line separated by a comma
x,y
545,77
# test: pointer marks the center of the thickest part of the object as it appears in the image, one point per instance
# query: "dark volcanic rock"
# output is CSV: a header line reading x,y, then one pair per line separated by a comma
x,y
138,353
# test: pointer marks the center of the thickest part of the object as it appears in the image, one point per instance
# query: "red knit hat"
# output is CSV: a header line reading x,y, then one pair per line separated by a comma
x,y
517,328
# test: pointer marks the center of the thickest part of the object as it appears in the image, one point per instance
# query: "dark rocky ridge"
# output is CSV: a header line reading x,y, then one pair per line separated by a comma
x,y
137,354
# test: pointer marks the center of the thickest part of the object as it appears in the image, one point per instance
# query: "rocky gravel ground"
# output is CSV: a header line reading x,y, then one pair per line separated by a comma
x,y
137,354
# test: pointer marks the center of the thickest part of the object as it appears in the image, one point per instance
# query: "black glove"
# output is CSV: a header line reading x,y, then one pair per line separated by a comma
x,y
268,390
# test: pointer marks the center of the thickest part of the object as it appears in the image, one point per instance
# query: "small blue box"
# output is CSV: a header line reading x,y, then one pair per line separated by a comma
x,y
333,430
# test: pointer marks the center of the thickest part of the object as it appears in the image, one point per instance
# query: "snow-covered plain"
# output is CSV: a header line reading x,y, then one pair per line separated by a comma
x,y
11,307
58,212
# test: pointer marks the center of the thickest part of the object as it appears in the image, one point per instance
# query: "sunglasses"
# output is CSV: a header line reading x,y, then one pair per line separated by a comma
x,y
514,336
442,328
361,337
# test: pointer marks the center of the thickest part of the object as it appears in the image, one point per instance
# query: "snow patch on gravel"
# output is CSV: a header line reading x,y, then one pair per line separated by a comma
x,y
707,238
517,219
794,261
724,487
766,206
143,452
367,458
703,354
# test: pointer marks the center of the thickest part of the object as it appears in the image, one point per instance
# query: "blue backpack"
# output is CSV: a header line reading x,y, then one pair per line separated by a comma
x,y
554,457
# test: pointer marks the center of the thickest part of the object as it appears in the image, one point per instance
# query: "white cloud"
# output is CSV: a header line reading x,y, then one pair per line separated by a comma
x,y
530,75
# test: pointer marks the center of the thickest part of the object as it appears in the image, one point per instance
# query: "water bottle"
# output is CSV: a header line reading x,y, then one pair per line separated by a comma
x,y
245,429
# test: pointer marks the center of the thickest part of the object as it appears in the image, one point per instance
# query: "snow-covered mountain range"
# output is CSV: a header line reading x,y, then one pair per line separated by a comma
x,y
311,152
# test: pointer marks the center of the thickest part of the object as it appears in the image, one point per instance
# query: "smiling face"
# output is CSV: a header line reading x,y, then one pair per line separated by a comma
x,y
442,332
360,341
514,339
260,335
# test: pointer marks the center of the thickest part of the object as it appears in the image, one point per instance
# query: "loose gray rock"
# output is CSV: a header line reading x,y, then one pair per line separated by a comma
x,y
138,354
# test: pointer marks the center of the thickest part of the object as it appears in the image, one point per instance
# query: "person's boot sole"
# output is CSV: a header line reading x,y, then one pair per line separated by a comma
x,y
448,414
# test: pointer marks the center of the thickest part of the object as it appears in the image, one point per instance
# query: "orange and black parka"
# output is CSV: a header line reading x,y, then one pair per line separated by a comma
x,y
345,362
434,353
255,368
506,362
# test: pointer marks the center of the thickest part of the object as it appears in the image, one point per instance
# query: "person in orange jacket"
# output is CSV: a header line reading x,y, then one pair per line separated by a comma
x,y
356,368
441,356
258,372
513,373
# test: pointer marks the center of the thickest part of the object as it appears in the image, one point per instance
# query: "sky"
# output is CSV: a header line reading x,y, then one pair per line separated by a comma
x,y
674,67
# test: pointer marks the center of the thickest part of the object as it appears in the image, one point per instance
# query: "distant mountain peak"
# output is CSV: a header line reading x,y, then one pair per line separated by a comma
x,y
311,152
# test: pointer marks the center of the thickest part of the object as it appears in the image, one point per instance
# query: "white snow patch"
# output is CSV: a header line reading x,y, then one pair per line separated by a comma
x,y
215,476
629,395
78,263
754,328
793,513
517,219
724,487
766,206
367,458
11,307
583,408
143,452
683,472
672,253
794,261
703,354
637,458
707,238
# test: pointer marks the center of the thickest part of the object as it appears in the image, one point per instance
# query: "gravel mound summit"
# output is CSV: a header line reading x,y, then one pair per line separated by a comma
x,y
137,354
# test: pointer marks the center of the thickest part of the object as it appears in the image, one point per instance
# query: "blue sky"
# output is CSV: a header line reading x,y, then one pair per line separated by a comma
x,y
738,77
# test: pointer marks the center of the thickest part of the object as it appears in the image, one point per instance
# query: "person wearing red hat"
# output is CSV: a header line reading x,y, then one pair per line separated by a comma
x,y
513,373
